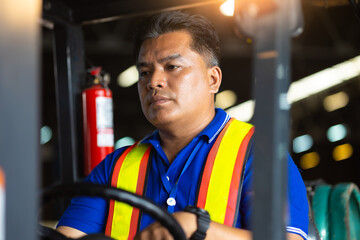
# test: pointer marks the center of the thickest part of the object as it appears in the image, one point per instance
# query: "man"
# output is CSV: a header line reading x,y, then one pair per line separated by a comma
x,y
198,156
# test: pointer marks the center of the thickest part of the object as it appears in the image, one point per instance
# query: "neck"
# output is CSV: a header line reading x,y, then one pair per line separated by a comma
x,y
176,137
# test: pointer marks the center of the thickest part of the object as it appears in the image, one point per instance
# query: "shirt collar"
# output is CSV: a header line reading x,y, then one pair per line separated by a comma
x,y
211,131
216,125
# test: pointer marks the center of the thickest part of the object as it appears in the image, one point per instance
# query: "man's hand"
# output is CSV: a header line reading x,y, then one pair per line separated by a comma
x,y
188,222
156,231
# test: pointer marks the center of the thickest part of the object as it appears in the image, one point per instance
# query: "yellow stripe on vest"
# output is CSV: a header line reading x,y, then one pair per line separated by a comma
x,y
128,177
221,175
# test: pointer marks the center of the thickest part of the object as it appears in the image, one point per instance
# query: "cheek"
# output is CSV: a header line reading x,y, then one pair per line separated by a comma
x,y
141,93
192,90
141,85
185,87
195,83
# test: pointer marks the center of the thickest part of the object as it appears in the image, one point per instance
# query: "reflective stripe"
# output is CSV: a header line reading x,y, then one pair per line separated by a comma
x,y
220,185
236,181
131,166
114,179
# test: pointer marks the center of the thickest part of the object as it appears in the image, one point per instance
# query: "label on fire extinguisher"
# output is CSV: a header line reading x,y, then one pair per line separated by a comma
x,y
104,122
104,112
105,139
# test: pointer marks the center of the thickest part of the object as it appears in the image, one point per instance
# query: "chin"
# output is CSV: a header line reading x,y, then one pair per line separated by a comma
x,y
161,119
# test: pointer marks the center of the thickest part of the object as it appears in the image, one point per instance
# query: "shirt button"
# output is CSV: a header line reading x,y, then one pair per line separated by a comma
x,y
171,201
167,177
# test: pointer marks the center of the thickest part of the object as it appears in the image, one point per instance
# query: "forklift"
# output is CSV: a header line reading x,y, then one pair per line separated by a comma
x,y
271,26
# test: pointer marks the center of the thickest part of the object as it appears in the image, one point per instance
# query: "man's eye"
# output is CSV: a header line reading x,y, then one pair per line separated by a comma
x,y
144,73
172,67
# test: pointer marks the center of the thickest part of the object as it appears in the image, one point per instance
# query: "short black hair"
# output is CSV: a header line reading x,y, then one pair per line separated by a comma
x,y
205,39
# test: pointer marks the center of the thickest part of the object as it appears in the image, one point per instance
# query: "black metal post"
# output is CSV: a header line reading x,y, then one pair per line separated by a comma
x,y
271,82
271,23
19,115
70,77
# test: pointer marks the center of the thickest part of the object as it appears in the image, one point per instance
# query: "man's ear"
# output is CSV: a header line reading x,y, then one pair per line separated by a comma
x,y
215,76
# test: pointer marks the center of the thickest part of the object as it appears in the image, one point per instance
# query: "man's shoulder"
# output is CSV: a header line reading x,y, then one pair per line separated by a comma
x,y
101,173
120,150
142,146
240,127
241,122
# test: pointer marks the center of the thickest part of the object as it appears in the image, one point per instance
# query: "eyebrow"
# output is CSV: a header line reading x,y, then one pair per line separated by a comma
x,y
161,60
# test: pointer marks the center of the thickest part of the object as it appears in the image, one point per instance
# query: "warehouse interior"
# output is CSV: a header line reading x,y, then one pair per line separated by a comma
x,y
324,90
331,36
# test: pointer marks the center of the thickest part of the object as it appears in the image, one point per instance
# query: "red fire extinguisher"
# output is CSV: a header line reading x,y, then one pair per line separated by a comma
x,y
97,120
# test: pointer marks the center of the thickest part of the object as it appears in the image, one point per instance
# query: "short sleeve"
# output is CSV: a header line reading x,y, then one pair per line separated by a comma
x,y
298,204
298,209
88,214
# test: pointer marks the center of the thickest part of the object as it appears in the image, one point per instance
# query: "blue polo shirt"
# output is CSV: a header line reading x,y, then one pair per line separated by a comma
x,y
179,180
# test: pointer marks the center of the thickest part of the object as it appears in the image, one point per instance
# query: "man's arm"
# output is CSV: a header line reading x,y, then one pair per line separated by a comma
x,y
188,222
70,232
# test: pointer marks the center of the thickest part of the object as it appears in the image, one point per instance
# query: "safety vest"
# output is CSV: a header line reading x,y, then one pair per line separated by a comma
x,y
219,189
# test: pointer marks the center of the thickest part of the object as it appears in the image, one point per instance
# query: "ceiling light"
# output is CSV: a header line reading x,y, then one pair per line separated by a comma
x,y
128,77
335,101
309,160
324,79
227,8
302,143
342,152
308,86
45,134
225,99
336,133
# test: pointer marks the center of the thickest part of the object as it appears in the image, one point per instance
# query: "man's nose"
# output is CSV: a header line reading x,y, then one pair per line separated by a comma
x,y
158,79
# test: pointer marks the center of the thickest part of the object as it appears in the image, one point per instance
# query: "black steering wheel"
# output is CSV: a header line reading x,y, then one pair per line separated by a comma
x,y
107,192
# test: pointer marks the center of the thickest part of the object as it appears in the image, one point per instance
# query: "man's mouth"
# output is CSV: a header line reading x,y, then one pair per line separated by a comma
x,y
158,100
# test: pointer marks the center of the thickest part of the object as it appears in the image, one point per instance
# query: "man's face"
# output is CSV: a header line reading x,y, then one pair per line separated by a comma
x,y
174,81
